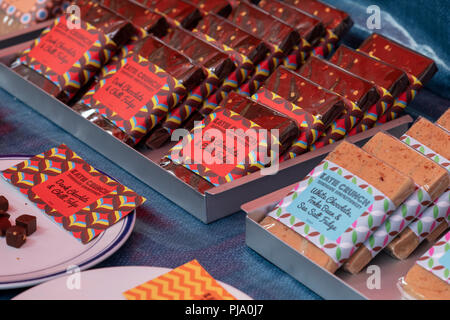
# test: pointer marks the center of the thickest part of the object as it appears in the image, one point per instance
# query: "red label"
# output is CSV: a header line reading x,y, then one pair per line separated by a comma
x,y
298,117
71,191
129,89
61,47
225,151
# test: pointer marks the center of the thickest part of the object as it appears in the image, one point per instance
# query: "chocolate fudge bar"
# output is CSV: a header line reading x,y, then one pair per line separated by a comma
x,y
354,164
420,66
178,11
221,7
361,93
62,74
430,178
141,17
434,142
339,22
238,112
154,72
386,76
310,28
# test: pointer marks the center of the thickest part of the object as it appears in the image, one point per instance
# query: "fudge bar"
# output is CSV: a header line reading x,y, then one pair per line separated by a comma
x,y
141,17
157,78
238,112
361,94
385,76
339,22
221,7
218,66
433,142
62,74
420,69
429,278
430,178
177,11
347,162
310,28
444,120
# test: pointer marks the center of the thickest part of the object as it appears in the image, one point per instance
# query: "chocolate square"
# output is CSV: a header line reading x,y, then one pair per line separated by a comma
x,y
16,236
4,204
4,225
27,222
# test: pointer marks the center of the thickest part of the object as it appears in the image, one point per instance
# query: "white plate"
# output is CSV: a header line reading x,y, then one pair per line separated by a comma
x,y
51,250
103,284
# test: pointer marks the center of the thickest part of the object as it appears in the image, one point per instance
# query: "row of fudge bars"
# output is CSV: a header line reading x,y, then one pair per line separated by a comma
x,y
413,172
142,69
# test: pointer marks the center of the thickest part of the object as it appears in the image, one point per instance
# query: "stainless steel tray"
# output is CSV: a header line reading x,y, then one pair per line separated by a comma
x,y
217,202
339,286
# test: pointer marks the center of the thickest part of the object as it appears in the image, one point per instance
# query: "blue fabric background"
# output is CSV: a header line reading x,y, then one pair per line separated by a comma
x,y
167,236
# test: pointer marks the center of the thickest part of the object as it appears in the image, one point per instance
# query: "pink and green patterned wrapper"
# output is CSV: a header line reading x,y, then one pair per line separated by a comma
x,y
440,210
398,221
354,235
436,260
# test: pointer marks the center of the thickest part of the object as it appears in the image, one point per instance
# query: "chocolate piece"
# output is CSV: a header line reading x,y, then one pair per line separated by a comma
x,y
139,15
394,53
5,224
316,100
382,74
221,7
336,20
179,73
256,21
309,28
15,237
180,11
260,115
33,64
4,204
28,222
4,215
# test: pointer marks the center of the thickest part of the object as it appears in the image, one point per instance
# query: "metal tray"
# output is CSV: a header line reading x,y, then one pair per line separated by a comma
x,y
217,202
338,286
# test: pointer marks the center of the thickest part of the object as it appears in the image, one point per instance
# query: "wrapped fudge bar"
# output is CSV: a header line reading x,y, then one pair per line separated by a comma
x,y
256,21
361,95
434,142
431,180
177,11
62,60
221,7
390,80
310,28
333,210
444,120
323,106
17,15
142,18
419,68
230,161
336,22
217,64
429,278
136,93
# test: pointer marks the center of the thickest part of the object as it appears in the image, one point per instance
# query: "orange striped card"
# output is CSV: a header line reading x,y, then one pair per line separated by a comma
x,y
187,282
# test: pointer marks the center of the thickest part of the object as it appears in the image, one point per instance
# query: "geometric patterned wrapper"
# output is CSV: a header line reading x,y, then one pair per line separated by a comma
x,y
68,58
326,45
374,112
351,233
434,215
187,282
72,193
298,56
200,143
433,259
135,95
401,102
398,221
310,126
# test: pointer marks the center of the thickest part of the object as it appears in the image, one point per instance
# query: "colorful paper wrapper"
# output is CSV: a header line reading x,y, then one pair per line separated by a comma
x,y
334,209
72,193
437,259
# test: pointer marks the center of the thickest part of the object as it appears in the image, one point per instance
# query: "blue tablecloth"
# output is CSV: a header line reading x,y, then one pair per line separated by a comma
x,y
167,236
